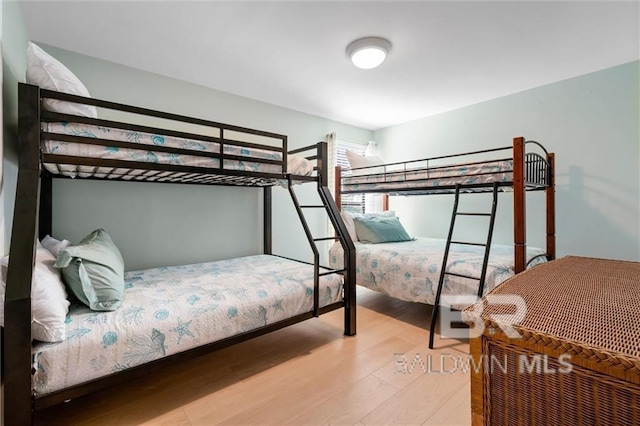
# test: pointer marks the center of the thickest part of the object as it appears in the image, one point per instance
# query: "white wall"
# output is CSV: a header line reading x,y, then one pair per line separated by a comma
x,y
166,224
591,123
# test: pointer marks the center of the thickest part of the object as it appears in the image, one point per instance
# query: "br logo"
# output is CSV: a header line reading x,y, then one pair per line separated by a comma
x,y
512,311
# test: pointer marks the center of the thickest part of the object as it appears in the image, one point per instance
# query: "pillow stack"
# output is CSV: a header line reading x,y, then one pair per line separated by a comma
x,y
93,271
373,228
49,304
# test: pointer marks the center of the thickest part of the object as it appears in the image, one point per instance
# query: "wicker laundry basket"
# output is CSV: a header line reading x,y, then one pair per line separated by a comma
x,y
577,358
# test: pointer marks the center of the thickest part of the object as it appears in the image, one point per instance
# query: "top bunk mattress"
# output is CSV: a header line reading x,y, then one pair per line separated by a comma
x,y
390,178
172,309
296,165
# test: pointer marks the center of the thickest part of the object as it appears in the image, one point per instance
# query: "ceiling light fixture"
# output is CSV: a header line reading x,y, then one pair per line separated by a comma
x,y
368,52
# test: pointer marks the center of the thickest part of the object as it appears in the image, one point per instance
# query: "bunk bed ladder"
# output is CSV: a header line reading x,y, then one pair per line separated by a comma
x,y
327,199
349,267
312,243
487,248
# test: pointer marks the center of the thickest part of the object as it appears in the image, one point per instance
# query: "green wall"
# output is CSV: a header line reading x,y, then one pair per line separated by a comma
x,y
14,45
590,122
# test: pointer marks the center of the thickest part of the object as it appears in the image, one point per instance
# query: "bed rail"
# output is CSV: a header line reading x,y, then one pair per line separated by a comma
x,y
180,150
422,177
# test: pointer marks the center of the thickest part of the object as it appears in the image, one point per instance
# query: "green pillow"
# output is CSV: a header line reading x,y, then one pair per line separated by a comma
x,y
94,271
380,230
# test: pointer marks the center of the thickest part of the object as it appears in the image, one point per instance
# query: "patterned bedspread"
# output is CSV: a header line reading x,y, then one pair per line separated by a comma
x,y
297,165
410,270
394,178
172,309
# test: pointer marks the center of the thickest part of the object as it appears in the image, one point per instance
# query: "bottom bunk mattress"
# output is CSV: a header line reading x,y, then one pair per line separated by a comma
x,y
410,270
172,309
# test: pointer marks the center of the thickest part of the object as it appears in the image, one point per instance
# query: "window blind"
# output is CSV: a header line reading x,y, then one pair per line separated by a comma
x,y
351,203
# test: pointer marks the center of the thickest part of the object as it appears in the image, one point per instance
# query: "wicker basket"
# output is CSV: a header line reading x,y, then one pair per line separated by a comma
x,y
577,358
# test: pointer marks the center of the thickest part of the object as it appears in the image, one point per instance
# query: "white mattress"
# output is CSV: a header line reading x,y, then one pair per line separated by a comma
x,y
410,270
297,165
172,309
396,178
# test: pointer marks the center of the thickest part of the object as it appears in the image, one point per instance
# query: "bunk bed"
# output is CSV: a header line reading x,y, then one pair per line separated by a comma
x,y
60,145
419,270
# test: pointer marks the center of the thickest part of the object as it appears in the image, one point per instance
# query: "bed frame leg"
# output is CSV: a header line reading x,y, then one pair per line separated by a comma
x,y
17,396
267,221
350,294
551,208
519,207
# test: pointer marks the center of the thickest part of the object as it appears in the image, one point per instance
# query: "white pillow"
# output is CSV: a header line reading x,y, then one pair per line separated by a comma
x,y
348,219
299,165
53,245
357,161
47,72
49,304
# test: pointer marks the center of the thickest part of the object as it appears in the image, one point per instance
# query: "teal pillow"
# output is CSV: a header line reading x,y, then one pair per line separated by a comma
x,y
380,230
94,271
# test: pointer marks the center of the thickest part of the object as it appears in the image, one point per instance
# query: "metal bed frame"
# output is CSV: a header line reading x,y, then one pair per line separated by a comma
x,y
33,218
530,171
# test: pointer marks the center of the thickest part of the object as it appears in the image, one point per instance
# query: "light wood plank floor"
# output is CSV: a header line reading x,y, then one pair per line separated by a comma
x,y
308,373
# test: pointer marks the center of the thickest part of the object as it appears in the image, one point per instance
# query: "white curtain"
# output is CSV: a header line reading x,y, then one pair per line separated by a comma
x,y
371,150
372,202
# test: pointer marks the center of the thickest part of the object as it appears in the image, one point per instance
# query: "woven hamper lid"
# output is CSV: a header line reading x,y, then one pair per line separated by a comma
x,y
594,303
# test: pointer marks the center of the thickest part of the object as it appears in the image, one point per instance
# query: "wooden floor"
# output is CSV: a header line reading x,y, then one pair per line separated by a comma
x,y
308,373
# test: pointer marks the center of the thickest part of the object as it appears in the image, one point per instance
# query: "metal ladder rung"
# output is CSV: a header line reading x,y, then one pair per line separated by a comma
x,y
468,243
337,271
462,276
311,207
473,214
326,238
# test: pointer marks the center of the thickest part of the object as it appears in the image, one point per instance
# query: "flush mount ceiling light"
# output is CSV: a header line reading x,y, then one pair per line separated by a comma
x,y
368,52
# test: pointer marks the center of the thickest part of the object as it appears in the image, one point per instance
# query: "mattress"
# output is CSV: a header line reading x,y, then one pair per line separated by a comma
x,y
297,165
379,178
410,270
172,309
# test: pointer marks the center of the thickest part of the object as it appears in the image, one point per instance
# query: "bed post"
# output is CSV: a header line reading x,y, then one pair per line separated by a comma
x,y
322,163
385,202
349,254
266,221
519,207
337,187
550,192
45,217
17,394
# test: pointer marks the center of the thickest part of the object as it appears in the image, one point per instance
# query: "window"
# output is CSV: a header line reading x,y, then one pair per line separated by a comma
x,y
351,203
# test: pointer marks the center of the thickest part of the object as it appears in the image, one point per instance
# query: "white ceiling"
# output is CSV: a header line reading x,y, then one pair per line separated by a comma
x,y
445,55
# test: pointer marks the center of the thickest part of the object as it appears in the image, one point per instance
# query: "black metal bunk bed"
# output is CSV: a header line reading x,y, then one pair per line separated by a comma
x,y
38,165
484,171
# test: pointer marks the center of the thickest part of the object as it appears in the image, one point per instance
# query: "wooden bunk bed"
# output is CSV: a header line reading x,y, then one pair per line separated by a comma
x,y
51,147
524,166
